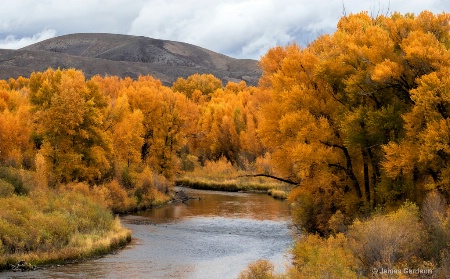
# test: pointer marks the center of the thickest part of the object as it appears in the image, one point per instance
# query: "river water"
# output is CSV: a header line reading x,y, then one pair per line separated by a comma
x,y
215,236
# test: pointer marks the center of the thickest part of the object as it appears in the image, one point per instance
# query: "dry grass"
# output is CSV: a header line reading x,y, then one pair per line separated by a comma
x,y
57,225
81,246
277,194
231,185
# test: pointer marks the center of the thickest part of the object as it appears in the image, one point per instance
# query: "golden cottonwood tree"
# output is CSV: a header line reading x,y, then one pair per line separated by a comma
x,y
197,86
423,157
165,117
68,116
227,126
336,104
15,129
127,135
299,127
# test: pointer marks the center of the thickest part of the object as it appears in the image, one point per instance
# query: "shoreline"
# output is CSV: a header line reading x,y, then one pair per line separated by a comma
x,y
223,186
268,189
90,246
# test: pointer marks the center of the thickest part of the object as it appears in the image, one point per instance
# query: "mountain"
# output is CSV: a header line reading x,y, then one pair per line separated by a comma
x,y
125,56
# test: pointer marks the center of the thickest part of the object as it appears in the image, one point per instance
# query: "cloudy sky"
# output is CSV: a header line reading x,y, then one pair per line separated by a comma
x,y
238,28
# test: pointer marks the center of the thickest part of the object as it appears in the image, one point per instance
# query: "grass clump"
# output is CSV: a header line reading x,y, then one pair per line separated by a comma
x,y
277,194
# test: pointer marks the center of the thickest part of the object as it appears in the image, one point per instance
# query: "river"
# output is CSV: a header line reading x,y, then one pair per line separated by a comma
x,y
215,236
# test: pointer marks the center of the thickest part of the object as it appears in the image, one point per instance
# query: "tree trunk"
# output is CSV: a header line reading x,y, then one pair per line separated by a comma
x,y
366,174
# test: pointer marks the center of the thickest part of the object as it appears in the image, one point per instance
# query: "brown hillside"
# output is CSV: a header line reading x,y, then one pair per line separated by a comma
x,y
123,55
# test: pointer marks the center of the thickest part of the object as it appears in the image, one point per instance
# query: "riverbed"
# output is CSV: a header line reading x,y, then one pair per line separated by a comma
x,y
215,235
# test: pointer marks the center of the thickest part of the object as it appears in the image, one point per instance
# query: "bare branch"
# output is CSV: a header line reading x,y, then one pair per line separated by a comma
x,y
288,181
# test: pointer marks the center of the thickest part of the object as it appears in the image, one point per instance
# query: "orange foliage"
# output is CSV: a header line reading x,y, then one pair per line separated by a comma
x,y
355,117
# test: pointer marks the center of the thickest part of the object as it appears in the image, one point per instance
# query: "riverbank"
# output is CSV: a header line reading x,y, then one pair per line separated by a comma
x,y
220,227
276,190
221,175
227,185
41,225
81,247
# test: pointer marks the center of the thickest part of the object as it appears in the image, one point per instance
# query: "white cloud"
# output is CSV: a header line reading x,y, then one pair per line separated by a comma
x,y
23,18
12,42
239,28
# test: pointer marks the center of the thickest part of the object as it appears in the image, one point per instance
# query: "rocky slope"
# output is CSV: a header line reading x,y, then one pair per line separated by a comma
x,y
124,55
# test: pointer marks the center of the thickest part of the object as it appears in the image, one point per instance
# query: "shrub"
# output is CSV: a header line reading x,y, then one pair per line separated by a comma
x,y
436,220
304,209
189,162
315,202
6,188
219,170
13,177
317,257
313,208
41,175
264,164
388,240
337,223
151,188
445,264
128,178
161,183
261,269
118,197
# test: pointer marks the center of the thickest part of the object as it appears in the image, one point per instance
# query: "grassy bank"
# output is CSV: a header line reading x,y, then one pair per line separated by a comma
x,y
79,247
222,176
232,185
278,194
42,225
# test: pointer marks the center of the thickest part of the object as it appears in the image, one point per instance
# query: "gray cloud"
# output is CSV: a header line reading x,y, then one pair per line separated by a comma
x,y
239,28
11,42
25,18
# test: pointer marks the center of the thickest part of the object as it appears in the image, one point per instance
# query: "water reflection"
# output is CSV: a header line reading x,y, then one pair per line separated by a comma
x,y
224,204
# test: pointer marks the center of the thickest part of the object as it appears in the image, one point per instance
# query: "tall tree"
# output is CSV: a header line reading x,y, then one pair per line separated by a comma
x,y
15,127
166,118
68,116
336,104
197,87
